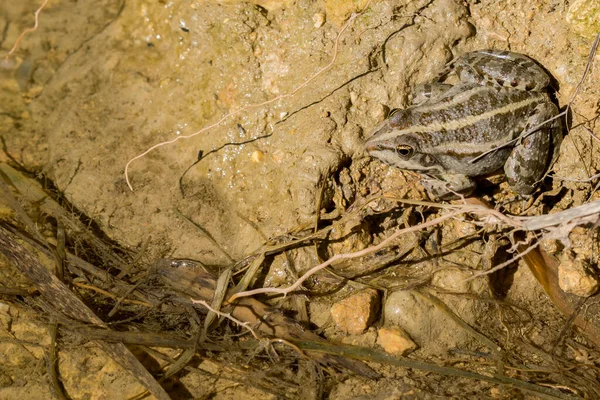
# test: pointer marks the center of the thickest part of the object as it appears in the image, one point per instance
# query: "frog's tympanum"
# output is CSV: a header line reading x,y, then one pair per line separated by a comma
x,y
454,132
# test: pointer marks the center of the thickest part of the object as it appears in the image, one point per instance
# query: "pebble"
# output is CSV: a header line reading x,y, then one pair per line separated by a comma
x,y
378,111
576,277
584,17
319,19
356,313
257,156
395,341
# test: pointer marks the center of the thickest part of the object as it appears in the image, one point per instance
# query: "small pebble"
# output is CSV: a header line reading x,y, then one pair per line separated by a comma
x,y
576,276
257,156
464,228
395,341
356,313
319,19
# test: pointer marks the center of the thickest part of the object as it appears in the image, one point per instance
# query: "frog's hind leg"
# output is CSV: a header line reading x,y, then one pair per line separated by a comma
x,y
531,157
501,68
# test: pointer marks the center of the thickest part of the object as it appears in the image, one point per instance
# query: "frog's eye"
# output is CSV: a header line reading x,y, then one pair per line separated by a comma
x,y
404,151
393,111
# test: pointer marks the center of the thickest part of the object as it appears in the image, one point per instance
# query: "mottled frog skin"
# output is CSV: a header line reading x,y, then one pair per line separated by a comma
x,y
476,126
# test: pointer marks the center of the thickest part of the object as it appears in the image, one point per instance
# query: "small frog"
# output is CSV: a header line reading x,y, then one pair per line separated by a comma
x,y
454,132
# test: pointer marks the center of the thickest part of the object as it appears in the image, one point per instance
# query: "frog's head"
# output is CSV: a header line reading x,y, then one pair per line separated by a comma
x,y
400,148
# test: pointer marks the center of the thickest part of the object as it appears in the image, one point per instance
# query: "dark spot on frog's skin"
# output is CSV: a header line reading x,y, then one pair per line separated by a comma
x,y
427,160
514,84
500,82
186,30
462,156
530,86
150,44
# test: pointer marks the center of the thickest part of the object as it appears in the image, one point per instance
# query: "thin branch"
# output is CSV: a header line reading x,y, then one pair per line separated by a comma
x,y
344,256
228,316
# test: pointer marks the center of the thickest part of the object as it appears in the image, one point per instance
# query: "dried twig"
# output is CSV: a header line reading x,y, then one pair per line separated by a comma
x,y
573,217
344,256
112,296
228,316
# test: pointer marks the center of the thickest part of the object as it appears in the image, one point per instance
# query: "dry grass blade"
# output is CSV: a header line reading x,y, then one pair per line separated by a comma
x,y
545,270
244,283
459,321
585,213
67,304
32,193
217,300
195,283
366,354
227,316
205,233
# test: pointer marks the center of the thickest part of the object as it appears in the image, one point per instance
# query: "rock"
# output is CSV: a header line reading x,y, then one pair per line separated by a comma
x,y
378,111
427,325
319,19
576,276
356,313
257,156
395,341
464,228
584,17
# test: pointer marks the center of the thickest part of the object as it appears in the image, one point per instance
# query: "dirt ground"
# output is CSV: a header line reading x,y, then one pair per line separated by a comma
x,y
101,82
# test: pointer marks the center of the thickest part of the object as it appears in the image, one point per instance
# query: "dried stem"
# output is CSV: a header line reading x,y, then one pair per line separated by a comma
x,y
228,316
489,215
344,256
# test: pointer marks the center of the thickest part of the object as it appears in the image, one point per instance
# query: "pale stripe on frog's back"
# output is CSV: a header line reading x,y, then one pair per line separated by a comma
x,y
444,123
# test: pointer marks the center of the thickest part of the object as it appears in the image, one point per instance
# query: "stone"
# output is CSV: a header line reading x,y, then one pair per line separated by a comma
x,y
357,312
395,341
576,276
584,17
319,19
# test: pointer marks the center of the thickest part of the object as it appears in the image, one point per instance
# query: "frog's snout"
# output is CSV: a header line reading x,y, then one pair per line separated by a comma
x,y
372,146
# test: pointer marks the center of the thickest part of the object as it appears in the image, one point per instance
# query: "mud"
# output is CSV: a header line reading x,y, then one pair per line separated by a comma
x,y
99,83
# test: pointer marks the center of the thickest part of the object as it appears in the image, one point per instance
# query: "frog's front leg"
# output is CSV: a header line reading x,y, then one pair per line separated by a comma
x,y
534,153
448,186
501,68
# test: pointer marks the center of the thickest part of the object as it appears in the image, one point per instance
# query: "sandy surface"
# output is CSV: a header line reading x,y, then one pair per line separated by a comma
x,y
100,82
